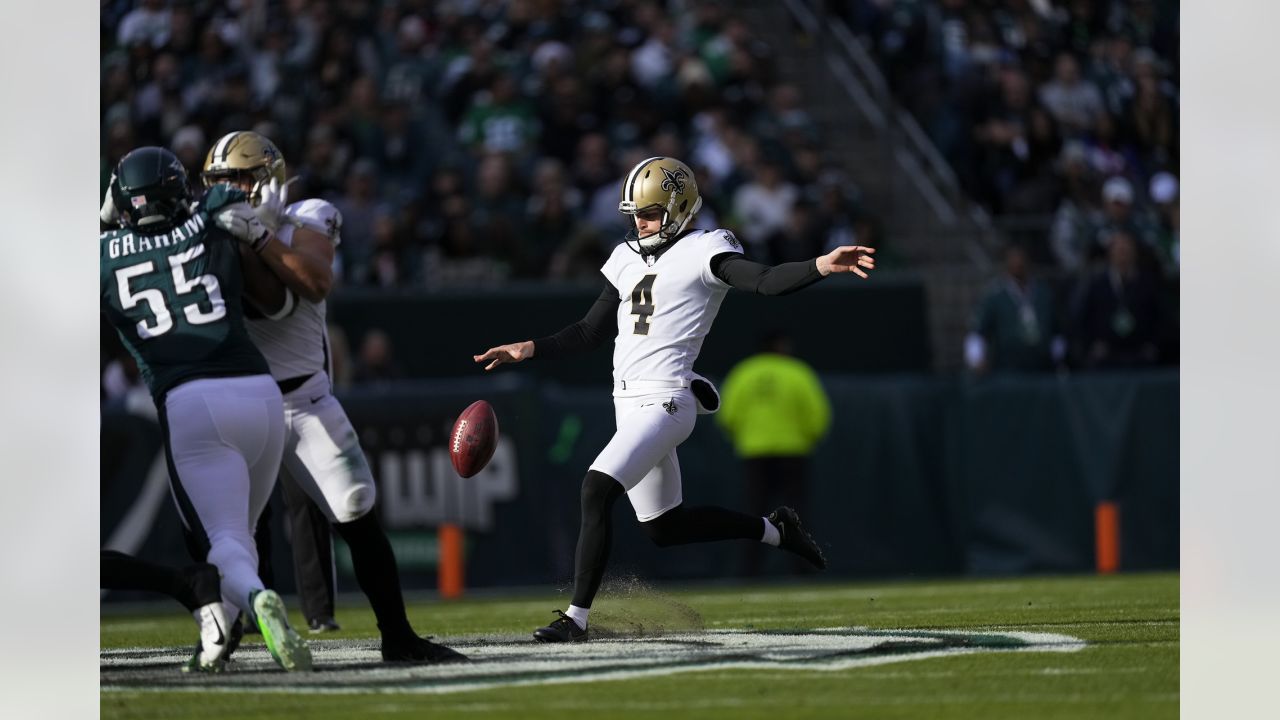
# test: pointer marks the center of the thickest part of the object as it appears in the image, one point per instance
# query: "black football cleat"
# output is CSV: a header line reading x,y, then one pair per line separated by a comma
x,y
414,649
795,539
563,629
323,624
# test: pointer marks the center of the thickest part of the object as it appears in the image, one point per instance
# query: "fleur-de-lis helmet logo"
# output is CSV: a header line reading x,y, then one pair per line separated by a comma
x,y
674,179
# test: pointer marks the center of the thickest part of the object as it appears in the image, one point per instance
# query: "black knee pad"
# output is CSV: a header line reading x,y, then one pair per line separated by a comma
x,y
599,493
667,529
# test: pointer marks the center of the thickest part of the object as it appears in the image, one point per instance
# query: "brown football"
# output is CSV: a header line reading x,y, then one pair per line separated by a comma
x,y
474,438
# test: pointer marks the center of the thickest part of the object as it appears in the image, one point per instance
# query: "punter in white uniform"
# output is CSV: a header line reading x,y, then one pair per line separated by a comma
x,y
661,297
321,452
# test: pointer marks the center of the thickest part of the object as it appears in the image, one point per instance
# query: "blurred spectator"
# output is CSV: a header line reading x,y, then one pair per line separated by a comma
x,y
500,121
1002,138
147,23
498,211
763,208
386,266
1079,215
376,362
1015,327
775,412
1119,313
799,238
1164,194
399,84
550,216
324,165
1122,214
1111,85
360,207
1074,101
189,145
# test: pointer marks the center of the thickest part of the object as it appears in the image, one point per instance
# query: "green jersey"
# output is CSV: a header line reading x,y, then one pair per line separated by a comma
x,y
175,298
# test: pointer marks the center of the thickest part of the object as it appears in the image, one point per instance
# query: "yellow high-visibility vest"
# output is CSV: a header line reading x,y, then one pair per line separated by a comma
x,y
773,405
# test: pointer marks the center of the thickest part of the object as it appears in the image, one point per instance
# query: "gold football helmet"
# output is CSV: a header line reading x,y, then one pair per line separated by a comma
x,y
244,156
662,183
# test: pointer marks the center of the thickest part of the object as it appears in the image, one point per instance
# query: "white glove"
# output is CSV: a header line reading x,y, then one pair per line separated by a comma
x,y
242,221
273,198
108,213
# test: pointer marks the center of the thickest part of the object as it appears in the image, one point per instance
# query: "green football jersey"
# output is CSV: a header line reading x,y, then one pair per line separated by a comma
x,y
175,298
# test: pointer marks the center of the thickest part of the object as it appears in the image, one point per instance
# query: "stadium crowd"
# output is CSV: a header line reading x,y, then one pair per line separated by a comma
x,y
475,140
468,142
1066,108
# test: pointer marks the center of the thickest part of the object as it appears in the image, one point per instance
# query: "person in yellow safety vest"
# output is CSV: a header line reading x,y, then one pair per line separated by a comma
x,y
775,412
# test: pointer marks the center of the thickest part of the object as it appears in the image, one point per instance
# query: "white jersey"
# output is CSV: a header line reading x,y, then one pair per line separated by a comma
x,y
298,344
667,307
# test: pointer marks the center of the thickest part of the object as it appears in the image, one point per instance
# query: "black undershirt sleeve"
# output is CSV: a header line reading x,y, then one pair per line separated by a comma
x,y
598,326
753,277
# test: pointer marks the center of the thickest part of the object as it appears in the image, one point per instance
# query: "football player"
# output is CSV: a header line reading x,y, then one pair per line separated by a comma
x,y
664,287
321,450
173,281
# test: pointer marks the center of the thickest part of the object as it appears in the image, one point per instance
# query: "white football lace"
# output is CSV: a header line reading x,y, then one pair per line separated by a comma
x,y
457,435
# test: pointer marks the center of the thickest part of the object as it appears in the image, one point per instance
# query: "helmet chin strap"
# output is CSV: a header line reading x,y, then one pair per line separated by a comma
x,y
643,250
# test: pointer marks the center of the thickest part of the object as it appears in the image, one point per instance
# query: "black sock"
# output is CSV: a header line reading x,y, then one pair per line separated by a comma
x,y
595,536
375,566
125,572
707,523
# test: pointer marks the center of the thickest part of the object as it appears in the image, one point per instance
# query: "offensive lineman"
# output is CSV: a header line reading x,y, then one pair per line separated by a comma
x,y
676,279
172,284
321,450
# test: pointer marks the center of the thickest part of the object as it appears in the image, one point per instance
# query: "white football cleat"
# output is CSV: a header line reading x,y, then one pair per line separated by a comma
x,y
211,653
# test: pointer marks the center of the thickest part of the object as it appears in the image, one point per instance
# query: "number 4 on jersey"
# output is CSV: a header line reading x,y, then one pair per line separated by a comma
x,y
642,303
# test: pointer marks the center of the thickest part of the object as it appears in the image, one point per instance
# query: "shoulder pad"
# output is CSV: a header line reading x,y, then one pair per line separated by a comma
x,y
318,215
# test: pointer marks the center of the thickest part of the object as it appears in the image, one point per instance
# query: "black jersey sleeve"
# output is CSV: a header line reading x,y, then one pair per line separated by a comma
x,y
753,277
598,326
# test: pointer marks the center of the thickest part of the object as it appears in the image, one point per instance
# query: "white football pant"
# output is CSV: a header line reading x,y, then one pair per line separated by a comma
x,y
642,453
225,437
322,452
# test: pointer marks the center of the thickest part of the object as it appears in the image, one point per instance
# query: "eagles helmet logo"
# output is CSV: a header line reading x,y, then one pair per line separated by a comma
x,y
673,180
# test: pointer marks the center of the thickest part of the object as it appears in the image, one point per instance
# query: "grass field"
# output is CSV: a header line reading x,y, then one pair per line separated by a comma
x,y
1068,647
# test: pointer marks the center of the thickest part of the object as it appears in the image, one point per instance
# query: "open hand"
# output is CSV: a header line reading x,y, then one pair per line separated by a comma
x,y
513,353
273,198
848,258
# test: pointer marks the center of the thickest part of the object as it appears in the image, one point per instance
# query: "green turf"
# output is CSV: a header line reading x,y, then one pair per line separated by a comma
x,y
1128,670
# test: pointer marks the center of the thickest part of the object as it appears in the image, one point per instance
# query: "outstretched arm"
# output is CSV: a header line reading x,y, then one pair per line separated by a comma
x,y
594,329
786,278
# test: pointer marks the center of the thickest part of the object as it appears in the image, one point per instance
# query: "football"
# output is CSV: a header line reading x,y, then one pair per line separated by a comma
x,y
474,438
